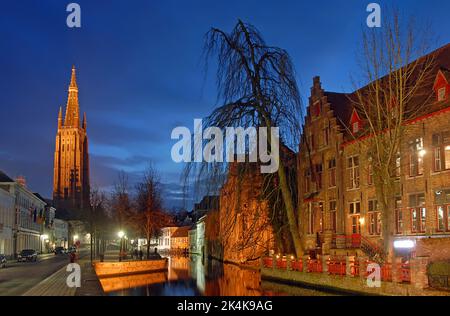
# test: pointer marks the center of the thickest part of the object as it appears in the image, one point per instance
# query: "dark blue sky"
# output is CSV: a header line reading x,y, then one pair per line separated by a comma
x,y
140,73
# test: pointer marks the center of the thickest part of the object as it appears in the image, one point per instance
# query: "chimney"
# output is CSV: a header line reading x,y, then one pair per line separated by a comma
x,y
22,181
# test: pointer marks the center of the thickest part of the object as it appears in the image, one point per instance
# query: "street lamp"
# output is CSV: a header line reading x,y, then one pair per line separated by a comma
x,y
121,234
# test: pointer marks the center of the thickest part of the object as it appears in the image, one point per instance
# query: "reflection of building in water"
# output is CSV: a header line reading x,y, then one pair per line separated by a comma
x,y
132,281
232,280
197,272
178,268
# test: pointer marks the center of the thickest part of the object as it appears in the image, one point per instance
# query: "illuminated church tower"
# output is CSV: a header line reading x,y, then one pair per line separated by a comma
x,y
71,166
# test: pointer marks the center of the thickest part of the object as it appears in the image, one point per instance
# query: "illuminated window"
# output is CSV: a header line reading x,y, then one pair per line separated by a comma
x,y
374,218
441,94
441,151
416,156
355,207
418,213
442,200
355,127
356,224
370,174
353,172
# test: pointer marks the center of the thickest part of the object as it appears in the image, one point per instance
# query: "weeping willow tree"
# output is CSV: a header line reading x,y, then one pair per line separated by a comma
x,y
256,88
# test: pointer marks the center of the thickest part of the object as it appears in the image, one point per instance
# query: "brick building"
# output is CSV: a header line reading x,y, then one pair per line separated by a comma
x,y
337,200
71,160
245,228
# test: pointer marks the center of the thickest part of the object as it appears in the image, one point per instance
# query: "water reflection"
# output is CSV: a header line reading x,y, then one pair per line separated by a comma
x,y
191,276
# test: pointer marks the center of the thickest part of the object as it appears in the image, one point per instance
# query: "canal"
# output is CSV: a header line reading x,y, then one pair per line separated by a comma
x,y
193,277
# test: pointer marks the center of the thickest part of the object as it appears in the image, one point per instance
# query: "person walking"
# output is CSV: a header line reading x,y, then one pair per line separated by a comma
x,y
141,254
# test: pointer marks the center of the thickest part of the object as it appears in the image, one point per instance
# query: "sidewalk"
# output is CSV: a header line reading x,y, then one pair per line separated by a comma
x,y
55,284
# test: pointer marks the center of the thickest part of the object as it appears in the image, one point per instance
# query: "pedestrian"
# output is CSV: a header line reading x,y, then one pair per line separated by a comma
x,y
136,254
141,254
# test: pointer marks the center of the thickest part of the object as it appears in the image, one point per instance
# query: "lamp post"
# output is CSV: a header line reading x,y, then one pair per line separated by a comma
x,y
121,234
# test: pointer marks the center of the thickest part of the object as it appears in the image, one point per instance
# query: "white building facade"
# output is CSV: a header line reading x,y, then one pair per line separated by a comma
x,y
29,215
61,233
7,212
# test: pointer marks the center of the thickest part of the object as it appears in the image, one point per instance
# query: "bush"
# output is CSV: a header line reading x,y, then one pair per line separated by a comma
x,y
439,275
439,268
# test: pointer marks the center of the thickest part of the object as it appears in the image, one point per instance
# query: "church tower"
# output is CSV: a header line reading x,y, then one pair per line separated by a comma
x,y
71,165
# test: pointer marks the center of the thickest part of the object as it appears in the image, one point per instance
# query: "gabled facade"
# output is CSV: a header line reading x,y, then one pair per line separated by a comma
x,y
337,200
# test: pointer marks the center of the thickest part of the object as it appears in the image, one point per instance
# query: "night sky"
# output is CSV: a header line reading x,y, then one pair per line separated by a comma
x,y
140,72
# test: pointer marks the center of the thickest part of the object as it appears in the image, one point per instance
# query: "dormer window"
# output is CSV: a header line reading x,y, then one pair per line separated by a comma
x,y
355,127
441,94
355,123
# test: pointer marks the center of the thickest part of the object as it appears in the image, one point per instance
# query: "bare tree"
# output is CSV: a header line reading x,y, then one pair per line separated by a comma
x,y
149,216
97,201
256,83
395,94
121,203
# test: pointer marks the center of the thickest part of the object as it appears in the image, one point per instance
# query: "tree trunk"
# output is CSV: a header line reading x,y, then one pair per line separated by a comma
x,y
287,198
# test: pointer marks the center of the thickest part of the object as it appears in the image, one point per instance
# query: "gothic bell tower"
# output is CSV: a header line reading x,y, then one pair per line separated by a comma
x,y
71,165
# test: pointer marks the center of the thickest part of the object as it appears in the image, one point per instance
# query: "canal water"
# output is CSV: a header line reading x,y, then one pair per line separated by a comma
x,y
195,277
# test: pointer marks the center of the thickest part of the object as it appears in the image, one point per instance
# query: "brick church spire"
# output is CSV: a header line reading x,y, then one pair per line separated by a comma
x,y
72,108
71,187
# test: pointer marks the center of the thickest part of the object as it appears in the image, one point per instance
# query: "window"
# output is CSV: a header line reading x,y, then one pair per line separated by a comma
x,y
441,94
353,172
370,174
310,140
333,216
321,213
398,216
356,225
442,200
418,213
355,207
310,219
374,218
318,177
332,173
441,151
307,180
398,168
325,134
416,155
355,127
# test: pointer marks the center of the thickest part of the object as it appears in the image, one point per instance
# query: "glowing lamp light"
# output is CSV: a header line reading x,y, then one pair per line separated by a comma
x,y
121,234
403,244
422,152
362,221
292,257
447,147
75,237
44,236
